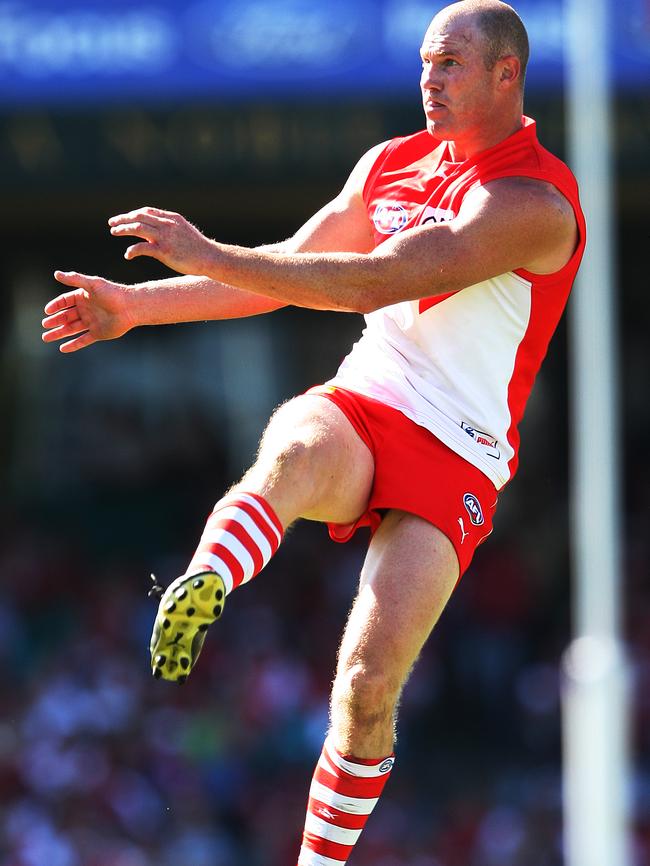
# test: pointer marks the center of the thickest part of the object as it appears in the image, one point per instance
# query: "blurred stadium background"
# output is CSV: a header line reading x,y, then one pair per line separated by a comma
x,y
246,116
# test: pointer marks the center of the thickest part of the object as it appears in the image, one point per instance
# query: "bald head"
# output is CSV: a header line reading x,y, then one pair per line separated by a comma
x,y
502,29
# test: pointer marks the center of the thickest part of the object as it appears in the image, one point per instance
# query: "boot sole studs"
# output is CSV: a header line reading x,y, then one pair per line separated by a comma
x,y
185,613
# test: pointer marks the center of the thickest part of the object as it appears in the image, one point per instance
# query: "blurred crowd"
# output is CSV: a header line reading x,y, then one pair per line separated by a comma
x,y
100,765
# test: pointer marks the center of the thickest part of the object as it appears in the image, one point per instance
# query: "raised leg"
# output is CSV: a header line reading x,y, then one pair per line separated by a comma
x,y
311,463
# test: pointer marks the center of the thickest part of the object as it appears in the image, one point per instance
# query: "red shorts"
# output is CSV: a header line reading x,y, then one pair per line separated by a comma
x,y
417,473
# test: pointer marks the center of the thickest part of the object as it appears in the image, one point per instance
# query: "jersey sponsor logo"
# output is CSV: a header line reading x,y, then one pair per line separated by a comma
x,y
386,765
390,218
473,507
462,529
487,442
435,215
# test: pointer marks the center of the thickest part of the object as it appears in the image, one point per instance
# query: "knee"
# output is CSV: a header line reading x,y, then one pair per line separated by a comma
x,y
364,694
292,460
292,443
310,461
294,453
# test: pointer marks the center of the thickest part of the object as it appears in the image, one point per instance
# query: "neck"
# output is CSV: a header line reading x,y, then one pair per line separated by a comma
x,y
462,149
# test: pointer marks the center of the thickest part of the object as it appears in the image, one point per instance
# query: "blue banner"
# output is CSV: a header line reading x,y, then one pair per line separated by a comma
x,y
163,51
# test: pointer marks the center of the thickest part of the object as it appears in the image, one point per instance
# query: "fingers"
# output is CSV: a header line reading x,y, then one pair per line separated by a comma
x,y
62,302
81,282
67,329
145,249
139,229
66,317
72,278
62,313
78,343
146,223
149,215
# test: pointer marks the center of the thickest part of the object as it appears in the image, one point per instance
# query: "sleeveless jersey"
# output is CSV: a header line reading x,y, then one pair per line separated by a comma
x,y
461,364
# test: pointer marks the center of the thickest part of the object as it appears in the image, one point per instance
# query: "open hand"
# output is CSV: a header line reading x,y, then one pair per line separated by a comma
x,y
167,236
97,309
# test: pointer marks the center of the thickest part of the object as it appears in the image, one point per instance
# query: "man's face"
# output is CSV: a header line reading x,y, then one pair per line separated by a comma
x,y
458,92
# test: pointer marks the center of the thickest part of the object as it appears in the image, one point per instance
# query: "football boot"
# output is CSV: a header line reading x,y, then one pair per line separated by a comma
x,y
187,608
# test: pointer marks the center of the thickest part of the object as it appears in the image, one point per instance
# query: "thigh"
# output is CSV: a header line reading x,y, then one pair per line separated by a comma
x,y
312,463
409,574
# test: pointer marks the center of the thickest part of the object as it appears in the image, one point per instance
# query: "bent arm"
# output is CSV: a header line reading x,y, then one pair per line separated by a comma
x,y
506,225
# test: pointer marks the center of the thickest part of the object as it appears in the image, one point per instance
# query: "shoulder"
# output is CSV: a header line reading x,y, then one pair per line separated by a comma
x,y
359,174
525,199
389,154
527,215
371,156
539,195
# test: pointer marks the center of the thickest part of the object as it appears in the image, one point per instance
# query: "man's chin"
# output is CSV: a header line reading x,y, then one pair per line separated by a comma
x,y
436,129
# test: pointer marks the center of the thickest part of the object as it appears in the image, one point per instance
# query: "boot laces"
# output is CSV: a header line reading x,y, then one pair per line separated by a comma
x,y
156,591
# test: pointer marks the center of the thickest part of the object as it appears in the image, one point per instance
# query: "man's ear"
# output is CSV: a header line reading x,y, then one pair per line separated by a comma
x,y
510,70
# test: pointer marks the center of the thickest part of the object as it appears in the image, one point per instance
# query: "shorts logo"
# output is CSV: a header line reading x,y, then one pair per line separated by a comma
x,y
390,218
489,443
386,765
474,509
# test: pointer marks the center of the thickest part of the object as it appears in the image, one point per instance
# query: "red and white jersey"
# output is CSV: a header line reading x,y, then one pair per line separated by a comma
x,y
461,364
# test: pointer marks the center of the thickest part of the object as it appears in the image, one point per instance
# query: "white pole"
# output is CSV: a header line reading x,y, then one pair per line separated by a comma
x,y
595,690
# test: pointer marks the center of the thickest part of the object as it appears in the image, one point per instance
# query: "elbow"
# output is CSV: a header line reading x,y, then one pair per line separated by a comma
x,y
368,302
366,307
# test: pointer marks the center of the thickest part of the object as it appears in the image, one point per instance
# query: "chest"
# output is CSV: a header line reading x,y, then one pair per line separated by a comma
x,y
428,191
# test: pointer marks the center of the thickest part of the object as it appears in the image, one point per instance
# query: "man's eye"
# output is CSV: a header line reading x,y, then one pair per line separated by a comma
x,y
449,62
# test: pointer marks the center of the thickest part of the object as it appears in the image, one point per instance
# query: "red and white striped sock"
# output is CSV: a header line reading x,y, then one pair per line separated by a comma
x,y
240,537
343,793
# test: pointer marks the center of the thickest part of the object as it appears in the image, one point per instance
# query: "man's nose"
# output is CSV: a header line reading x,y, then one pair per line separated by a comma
x,y
431,79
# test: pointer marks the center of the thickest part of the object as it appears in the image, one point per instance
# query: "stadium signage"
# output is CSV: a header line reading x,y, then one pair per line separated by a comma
x,y
92,52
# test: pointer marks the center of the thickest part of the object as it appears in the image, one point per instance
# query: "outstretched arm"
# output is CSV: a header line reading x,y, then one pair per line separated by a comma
x,y
99,309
